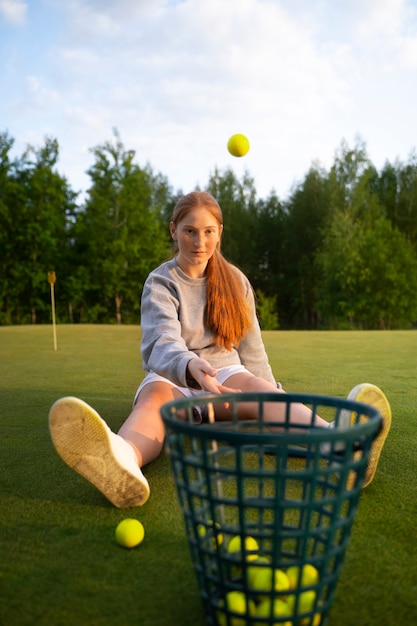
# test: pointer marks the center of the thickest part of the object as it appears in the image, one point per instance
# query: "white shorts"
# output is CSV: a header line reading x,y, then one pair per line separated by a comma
x,y
222,375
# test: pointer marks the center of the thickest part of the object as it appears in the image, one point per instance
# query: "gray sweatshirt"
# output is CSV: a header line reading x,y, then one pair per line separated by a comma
x,y
173,310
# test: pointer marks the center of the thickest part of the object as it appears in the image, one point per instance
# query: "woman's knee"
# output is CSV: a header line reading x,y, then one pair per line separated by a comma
x,y
156,394
249,382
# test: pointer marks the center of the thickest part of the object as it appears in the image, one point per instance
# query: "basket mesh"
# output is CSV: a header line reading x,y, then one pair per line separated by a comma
x,y
285,497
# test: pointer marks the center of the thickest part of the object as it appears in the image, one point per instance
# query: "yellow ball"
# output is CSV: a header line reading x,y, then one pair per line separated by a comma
x,y
237,602
269,579
308,621
306,601
130,533
303,576
238,145
212,530
251,547
256,566
280,611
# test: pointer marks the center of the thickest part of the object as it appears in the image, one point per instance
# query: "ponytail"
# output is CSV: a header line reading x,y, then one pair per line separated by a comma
x,y
228,312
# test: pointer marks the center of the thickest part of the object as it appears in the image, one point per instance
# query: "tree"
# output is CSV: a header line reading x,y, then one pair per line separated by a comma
x,y
387,278
340,252
238,202
348,168
119,236
353,289
269,243
8,192
307,212
38,201
369,275
407,199
387,190
267,310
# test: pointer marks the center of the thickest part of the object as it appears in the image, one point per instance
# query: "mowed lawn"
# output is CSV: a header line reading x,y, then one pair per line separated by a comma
x,y
59,563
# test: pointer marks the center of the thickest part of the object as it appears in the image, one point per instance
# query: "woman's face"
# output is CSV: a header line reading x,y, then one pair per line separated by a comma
x,y
197,236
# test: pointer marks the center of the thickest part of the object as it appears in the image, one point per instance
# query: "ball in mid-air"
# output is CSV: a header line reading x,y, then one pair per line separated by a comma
x,y
238,145
130,533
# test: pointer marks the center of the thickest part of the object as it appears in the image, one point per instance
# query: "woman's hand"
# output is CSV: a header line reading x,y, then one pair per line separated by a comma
x,y
205,375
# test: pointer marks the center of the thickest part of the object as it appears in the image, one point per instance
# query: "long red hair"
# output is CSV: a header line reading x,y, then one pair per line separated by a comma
x,y
228,312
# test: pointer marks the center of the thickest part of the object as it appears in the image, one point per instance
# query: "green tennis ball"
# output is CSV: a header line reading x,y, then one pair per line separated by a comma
x,y
130,533
238,145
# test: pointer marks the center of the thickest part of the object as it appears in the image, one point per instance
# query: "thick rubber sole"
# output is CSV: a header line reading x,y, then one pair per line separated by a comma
x,y
82,440
370,394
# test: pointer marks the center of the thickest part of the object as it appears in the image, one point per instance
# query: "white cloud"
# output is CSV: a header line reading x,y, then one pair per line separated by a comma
x,y
13,11
93,20
178,78
188,63
39,96
388,33
408,53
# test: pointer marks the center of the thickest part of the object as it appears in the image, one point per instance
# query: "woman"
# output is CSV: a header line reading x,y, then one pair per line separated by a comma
x,y
200,334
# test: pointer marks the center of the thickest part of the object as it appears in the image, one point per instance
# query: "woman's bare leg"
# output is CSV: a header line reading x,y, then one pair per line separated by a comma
x,y
144,429
273,412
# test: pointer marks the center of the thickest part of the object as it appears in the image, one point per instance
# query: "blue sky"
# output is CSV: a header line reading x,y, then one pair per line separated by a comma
x,y
177,78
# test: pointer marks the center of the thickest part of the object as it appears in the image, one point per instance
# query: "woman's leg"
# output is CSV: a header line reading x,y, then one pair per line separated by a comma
x,y
144,429
112,462
273,411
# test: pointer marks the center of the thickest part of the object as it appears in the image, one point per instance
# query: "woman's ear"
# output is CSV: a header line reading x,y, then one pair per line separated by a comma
x,y
173,231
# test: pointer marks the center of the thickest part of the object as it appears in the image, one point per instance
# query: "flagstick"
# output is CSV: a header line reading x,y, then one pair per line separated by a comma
x,y
51,280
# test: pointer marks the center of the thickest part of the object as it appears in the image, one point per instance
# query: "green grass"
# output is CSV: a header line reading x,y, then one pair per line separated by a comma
x,y
59,564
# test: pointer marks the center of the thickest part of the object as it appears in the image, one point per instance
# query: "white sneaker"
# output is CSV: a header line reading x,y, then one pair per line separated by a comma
x,y
371,394
85,443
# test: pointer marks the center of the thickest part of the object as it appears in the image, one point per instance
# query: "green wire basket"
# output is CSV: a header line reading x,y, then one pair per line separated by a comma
x,y
268,509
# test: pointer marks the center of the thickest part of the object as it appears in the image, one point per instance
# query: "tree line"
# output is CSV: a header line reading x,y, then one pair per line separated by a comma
x,y
339,252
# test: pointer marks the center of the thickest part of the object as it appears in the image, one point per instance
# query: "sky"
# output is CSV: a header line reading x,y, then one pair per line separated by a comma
x,y
177,78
